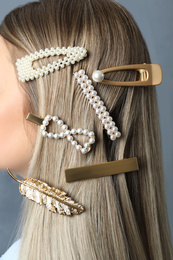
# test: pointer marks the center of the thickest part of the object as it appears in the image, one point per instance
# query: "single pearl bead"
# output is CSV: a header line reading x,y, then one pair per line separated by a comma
x,y
78,147
73,131
56,136
62,135
48,117
104,121
95,105
112,123
84,150
92,140
79,130
89,82
67,132
76,75
109,132
55,118
82,72
114,128
101,116
44,133
91,134
83,85
69,138
118,134
80,80
107,126
85,131
113,137
60,122
74,143
64,127
42,127
50,135
98,75
45,122
86,145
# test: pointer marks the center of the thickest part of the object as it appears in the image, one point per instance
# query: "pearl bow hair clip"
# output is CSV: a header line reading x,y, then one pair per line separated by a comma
x,y
65,134
25,68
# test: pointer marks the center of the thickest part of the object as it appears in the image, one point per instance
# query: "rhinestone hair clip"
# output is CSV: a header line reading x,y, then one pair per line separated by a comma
x,y
98,104
54,199
25,68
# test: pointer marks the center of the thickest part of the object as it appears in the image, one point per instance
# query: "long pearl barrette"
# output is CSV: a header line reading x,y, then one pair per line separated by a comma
x,y
65,134
98,104
25,68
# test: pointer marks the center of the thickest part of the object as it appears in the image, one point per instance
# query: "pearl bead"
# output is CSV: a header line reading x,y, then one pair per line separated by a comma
x,y
109,132
48,117
50,135
56,136
112,137
69,138
98,76
91,134
42,127
67,132
112,123
60,122
92,140
45,122
104,121
55,118
44,133
86,145
64,127
80,80
79,130
73,131
78,147
85,131
62,135
118,134
83,85
74,143
84,150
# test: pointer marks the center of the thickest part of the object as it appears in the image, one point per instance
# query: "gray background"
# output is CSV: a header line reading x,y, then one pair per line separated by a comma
x,y
155,19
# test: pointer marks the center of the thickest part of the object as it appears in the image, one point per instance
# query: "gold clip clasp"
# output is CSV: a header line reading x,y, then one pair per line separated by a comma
x,y
150,75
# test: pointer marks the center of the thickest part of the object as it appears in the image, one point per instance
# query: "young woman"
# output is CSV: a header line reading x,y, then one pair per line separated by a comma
x,y
125,214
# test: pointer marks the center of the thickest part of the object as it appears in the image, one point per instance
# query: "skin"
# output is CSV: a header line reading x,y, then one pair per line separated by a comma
x,y
16,147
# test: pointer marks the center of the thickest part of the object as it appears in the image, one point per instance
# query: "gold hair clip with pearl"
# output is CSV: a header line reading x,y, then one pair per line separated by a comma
x,y
44,122
150,75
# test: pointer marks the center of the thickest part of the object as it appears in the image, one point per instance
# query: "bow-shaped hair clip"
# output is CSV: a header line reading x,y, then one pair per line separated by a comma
x,y
44,122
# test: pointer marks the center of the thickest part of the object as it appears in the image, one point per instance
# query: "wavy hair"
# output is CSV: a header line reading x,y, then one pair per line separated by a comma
x,y
125,215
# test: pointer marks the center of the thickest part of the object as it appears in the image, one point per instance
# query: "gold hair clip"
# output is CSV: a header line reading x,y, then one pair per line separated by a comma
x,y
44,122
101,169
150,75
54,199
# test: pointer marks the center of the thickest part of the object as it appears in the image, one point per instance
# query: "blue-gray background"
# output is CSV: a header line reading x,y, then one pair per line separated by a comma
x,y
155,19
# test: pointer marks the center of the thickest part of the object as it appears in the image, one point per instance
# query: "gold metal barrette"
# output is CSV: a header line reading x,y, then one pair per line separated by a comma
x,y
44,122
54,199
150,75
101,169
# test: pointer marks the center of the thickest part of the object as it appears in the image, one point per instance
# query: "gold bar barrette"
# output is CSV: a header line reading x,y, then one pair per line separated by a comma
x,y
150,75
101,169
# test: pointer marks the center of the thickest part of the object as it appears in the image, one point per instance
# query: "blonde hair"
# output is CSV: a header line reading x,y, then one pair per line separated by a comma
x,y
125,215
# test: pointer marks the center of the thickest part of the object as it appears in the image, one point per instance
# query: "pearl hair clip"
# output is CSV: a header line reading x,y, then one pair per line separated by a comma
x,y
97,103
25,68
65,134
150,75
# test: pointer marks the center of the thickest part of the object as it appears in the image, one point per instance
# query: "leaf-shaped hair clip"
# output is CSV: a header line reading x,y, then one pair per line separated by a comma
x,y
54,199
